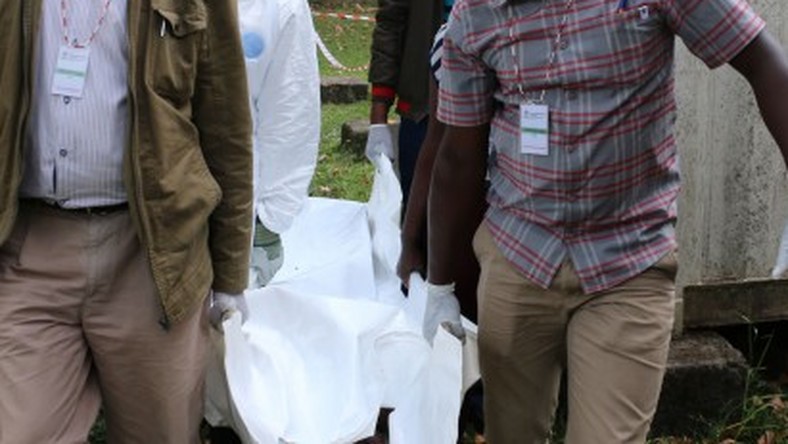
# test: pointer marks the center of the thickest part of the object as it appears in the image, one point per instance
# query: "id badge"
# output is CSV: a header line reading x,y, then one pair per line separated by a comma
x,y
71,71
534,129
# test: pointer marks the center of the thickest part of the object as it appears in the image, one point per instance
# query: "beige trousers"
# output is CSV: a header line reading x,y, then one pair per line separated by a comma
x,y
613,346
79,324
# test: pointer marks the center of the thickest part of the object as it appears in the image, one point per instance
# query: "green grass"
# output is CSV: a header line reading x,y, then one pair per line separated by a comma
x,y
341,174
349,41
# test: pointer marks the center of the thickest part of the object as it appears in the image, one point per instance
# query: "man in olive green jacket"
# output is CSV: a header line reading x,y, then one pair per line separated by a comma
x,y
125,199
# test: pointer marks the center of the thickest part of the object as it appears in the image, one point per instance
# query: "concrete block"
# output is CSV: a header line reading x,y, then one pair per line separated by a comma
x,y
343,90
354,136
733,303
705,379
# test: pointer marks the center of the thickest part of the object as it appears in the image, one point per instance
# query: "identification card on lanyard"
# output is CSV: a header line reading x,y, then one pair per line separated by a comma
x,y
534,129
71,71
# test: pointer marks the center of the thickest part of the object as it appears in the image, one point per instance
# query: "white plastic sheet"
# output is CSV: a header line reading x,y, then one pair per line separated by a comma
x,y
332,339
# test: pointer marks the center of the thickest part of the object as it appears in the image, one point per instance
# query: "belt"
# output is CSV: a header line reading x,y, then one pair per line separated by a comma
x,y
101,210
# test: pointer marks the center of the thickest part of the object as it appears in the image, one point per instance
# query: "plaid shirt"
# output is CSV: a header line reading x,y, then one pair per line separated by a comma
x,y
606,193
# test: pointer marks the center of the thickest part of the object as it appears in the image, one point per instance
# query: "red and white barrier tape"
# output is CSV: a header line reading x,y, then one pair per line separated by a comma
x,y
343,16
333,60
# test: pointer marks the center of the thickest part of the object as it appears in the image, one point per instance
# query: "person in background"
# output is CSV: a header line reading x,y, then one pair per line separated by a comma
x,y
575,102
399,74
284,87
126,164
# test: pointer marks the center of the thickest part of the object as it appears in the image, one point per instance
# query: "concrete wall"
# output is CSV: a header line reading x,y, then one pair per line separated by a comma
x,y
735,196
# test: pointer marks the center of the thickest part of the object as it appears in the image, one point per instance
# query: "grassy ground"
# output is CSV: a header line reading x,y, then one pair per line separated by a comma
x,y
341,174
347,40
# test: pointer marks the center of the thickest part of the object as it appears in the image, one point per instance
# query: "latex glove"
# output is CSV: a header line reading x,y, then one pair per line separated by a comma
x,y
781,267
379,140
223,305
443,309
267,255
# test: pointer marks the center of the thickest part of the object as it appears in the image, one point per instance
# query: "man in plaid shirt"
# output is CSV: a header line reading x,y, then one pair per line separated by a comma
x,y
575,99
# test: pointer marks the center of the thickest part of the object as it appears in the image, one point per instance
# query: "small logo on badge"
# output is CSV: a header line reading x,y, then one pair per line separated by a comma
x,y
644,12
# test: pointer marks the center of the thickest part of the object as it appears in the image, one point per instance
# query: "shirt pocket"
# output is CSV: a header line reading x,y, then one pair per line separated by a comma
x,y
176,44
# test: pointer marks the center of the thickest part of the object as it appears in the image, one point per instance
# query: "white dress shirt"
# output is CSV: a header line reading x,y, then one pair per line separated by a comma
x,y
75,146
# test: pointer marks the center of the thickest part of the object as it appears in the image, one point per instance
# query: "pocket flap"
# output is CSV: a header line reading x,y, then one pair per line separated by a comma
x,y
183,17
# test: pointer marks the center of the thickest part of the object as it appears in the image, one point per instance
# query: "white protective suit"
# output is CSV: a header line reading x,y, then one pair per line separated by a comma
x,y
284,84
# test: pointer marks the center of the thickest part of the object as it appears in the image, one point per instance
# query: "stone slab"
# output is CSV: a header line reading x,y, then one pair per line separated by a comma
x,y
734,303
705,379
354,136
343,90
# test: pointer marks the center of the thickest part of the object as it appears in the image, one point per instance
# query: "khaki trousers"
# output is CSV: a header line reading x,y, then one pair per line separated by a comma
x,y
79,324
613,346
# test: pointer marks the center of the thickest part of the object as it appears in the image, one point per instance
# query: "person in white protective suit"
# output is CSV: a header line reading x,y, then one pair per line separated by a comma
x,y
284,87
284,84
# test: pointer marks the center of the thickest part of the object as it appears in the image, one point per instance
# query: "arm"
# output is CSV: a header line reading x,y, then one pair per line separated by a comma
x,y
414,227
387,40
457,188
221,113
287,113
765,66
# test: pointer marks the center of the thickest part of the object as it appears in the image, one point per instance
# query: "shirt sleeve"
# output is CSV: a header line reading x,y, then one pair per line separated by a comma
x,y
714,30
465,95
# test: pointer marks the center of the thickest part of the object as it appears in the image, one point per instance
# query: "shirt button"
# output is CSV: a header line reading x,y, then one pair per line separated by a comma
x,y
66,100
571,95
564,44
63,153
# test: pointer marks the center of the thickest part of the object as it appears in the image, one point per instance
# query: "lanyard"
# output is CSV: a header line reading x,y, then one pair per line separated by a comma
x,y
65,24
551,58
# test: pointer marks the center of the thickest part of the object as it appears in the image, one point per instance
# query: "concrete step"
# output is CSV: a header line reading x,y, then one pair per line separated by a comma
x,y
705,380
343,90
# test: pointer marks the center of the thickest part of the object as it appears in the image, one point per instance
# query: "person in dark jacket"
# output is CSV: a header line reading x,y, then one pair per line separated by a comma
x,y
399,73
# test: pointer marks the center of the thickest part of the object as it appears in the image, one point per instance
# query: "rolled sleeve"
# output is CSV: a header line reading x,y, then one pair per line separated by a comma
x,y
714,30
465,95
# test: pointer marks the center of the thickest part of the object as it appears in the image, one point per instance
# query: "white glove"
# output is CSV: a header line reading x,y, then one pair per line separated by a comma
x,y
781,267
223,305
443,309
379,141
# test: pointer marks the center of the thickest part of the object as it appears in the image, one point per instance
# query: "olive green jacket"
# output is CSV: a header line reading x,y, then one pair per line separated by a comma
x,y
188,161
